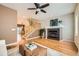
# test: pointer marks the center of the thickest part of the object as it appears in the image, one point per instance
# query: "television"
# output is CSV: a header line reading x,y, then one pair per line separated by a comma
x,y
54,22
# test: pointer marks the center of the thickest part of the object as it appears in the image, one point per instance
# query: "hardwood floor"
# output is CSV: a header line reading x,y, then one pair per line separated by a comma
x,y
68,48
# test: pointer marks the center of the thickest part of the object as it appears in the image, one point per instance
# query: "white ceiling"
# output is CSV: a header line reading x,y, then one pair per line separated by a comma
x,y
54,9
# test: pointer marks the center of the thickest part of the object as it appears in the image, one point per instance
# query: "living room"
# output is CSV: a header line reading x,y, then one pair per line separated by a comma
x,y
51,27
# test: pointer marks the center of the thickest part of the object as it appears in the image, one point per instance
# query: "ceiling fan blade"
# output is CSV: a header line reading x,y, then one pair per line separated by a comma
x,y
31,8
36,12
43,11
37,5
45,5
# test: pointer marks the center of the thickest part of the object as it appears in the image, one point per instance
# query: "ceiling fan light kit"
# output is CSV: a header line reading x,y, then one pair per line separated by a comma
x,y
39,8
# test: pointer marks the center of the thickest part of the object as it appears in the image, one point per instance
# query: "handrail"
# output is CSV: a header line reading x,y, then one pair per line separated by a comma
x,y
30,33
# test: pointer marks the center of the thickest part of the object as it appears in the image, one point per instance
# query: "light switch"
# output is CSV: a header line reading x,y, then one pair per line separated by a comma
x,y
13,29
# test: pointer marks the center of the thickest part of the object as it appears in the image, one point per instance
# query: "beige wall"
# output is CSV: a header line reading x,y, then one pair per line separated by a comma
x,y
8,19
78,25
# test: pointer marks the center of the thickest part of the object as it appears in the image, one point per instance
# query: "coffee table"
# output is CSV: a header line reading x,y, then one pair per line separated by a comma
x,y
39,51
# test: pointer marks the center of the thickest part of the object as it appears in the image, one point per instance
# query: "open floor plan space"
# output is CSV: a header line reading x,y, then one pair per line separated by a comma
x,y
39,29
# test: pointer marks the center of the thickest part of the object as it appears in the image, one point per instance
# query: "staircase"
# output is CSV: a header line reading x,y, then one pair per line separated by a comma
x,y
32,29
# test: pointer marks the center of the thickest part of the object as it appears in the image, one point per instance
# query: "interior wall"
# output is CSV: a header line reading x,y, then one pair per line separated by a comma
x,y
68,29
8,19
67,23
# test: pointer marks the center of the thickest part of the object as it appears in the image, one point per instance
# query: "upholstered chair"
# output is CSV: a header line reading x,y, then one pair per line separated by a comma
x,y
3,49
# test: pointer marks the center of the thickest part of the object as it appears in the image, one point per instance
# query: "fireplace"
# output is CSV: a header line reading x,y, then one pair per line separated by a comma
x,y
54,33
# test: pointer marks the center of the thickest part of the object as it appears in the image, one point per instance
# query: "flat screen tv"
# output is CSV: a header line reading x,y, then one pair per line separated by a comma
x,y
54,22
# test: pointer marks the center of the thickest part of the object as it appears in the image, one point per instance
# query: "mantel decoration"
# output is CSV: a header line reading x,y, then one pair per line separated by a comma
x,y
55,22
60,21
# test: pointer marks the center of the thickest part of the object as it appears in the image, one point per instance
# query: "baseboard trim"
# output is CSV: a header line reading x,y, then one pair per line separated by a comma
x,y
67,40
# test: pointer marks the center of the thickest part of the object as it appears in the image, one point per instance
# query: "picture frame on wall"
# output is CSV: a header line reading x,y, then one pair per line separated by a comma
x,y
54,22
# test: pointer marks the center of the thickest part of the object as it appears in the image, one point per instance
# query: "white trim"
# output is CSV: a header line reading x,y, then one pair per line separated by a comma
x,y
46,30
66,40
12,43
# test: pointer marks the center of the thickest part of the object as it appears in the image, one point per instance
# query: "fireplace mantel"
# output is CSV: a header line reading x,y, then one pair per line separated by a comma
x,y
52,27
59,26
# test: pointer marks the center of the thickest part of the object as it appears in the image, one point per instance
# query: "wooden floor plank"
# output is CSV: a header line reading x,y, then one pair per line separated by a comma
x,y
68,48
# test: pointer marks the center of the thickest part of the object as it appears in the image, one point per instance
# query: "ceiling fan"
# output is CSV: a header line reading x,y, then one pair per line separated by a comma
x,y
39,8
